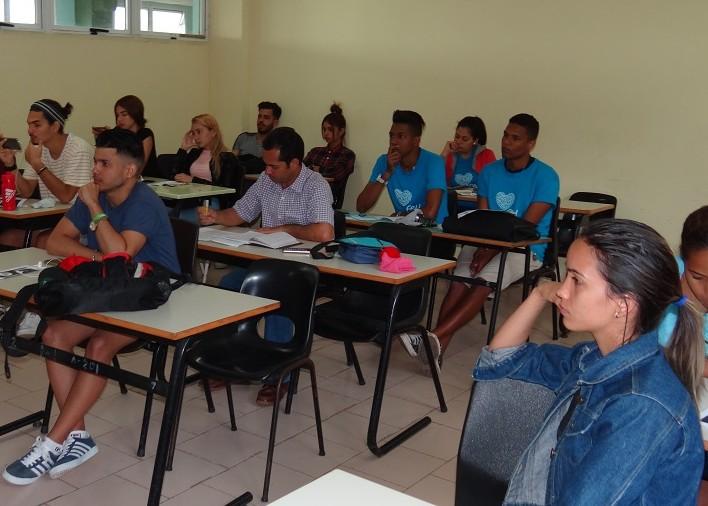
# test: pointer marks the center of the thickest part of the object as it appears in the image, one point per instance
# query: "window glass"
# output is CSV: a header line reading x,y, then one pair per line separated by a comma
x,y
107,14
19,11
172,16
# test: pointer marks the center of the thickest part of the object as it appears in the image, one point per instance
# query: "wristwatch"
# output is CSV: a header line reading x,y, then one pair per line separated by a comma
x,y
95,220
380,179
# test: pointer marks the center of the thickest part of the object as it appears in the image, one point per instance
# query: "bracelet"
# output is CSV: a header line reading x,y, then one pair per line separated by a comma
x,y
44,167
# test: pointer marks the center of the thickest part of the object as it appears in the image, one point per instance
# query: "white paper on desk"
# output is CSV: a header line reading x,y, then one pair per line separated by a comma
x,y
166,183
236,239
370,217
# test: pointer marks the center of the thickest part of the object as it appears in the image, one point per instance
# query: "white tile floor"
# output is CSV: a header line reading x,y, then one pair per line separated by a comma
x,y
213,465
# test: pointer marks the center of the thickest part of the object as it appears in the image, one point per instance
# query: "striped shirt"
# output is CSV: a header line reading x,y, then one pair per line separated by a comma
x,y
306,201
73,167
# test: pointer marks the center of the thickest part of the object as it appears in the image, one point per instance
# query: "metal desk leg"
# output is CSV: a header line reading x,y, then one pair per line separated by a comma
x,y
28,238
377,402
527,269
176,385
497,296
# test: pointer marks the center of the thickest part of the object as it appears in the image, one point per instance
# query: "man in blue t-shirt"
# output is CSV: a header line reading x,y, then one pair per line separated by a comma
x,y
519,184
117,213
415,177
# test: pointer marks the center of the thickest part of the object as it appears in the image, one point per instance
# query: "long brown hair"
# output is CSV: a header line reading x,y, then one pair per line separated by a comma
x,y
637,262
216,146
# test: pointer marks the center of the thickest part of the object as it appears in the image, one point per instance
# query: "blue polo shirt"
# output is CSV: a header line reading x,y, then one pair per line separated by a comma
x,y
514,192
408,189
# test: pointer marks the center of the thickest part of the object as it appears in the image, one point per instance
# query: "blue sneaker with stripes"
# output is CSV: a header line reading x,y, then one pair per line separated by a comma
x,y
37,462
77,449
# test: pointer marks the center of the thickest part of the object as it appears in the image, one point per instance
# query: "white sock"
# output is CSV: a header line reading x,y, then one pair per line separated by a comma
x,y
53,446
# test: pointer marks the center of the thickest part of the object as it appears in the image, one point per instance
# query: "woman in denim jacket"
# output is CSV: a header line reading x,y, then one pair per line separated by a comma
x,y
623,428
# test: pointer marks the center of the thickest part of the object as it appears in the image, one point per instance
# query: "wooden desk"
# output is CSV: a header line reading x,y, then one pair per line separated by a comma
x,y
28,218
176,323
567,206
504,248
345,489
187,193
352,274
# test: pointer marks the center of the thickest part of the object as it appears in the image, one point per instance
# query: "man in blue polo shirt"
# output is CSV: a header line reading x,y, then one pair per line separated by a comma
x,y
519,184
415,177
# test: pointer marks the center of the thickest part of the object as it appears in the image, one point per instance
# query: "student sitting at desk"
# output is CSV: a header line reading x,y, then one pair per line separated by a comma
x,y
130,115
519,184
333,160
115,212
693,268
288,197
59,163
203,158
415,177
623,428
466,155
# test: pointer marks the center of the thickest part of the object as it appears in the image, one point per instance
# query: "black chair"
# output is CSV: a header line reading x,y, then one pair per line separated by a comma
x,y
550,267
338,190
166,163
360,314
186,238
569,225
244,354
502,418
441,248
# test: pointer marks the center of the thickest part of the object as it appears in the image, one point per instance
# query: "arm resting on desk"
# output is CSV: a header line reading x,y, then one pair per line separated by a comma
x,y
317,232
432,203
368,196
64,240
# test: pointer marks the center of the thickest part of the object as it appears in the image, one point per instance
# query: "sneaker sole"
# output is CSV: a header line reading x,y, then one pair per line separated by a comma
x,y
56,471
407,346
434,347
18,481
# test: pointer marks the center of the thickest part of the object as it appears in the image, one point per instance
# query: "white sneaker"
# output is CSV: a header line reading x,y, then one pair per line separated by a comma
x,y
28,325
435,348
36,462
412,342
77,449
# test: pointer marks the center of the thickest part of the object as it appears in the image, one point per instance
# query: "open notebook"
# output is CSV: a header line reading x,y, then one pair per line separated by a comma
x,y
275,240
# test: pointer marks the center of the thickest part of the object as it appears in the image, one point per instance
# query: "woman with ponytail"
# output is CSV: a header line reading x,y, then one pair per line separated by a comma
x,y
623,428
333,160
693,267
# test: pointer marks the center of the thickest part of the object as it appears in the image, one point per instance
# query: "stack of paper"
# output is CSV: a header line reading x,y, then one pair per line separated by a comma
x,y
236,239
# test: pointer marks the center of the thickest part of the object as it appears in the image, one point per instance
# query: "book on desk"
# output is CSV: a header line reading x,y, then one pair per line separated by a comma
x,y
276,240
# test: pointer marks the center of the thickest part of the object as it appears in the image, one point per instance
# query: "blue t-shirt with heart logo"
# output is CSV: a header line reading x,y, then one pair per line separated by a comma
x,y
408,189
514,192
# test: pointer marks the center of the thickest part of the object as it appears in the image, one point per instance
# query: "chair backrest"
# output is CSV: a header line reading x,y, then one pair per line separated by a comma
x,y
452,208
186,238
411,240
338,190
292,283
166,163
503,416
600,198
340,224
551,255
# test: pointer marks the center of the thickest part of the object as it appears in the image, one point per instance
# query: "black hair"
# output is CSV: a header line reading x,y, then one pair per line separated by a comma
x,y
694,236
412,119
476,127
288,141
277,111
53,111
125,142
637,263
335,117
528,122
134,107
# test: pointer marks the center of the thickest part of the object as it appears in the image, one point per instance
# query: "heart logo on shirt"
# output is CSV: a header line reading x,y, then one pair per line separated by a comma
x,y
403,196
463,179
505,200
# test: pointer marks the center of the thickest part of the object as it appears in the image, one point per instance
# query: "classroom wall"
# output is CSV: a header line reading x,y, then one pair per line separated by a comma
x,y
618,87
92,72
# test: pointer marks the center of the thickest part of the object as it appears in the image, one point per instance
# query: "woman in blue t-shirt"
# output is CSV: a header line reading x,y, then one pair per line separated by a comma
x,y
693,266
466,155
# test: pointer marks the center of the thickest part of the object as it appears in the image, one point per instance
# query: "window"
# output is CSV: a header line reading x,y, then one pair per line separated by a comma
x,y
173,17
20,12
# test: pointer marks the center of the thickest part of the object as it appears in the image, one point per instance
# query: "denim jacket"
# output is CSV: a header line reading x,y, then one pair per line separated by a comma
x,y
634,436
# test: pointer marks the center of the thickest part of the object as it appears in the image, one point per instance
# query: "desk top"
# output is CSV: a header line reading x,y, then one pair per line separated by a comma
x,y
27,211
191,309
567,206
460,239
425,266
345,489
187,190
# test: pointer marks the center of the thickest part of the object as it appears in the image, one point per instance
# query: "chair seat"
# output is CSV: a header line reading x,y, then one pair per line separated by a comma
x,y
246,355
361,317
